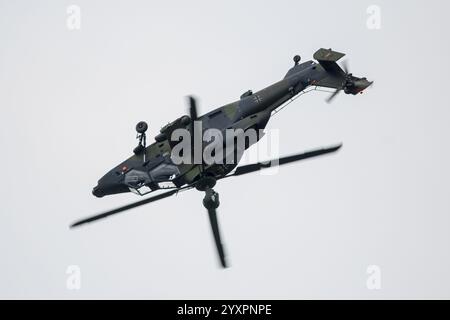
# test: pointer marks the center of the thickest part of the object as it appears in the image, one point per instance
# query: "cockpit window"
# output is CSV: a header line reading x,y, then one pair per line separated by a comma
x,y
141,191
164,172
141,180
136,179
166,185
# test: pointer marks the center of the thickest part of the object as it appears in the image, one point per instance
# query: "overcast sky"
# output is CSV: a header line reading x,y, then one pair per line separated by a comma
x,y
70,99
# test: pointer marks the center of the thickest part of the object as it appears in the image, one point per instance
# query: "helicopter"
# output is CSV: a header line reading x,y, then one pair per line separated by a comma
x,y
152,168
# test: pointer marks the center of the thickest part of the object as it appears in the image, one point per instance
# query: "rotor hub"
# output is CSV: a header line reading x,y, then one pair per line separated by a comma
x,y
205,183
211,200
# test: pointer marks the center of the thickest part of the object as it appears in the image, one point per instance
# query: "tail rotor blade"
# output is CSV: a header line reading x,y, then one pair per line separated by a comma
x,y
333,95
345,66
345,76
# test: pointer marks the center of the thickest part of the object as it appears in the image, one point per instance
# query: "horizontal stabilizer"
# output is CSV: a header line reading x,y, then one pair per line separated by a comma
x,y
327,59
328,55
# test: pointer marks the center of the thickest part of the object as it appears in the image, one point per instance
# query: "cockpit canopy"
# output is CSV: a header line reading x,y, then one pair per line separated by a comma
x,y
156,174
138,177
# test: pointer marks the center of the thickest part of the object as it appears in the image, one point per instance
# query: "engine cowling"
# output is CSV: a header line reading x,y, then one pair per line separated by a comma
x,y
167,130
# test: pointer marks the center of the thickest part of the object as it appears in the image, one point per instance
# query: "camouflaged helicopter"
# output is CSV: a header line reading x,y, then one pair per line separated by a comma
x,y
151,168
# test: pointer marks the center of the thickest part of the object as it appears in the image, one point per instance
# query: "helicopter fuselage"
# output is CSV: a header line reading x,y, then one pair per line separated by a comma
x,y
152,168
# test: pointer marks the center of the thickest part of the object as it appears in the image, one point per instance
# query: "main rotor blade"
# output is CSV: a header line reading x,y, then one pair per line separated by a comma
x,y
126,207
193,108
216,233
262,165
195,131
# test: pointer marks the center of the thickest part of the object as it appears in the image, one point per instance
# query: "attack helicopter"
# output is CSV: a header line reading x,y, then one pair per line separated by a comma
x,y
152,168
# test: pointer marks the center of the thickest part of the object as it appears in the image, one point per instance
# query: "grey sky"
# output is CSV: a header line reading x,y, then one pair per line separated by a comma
x,y
70,99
